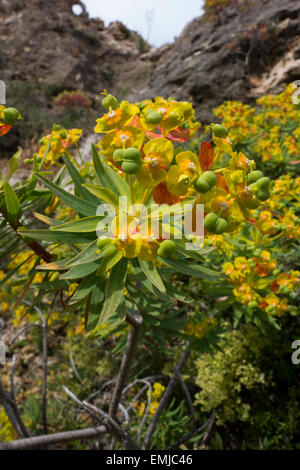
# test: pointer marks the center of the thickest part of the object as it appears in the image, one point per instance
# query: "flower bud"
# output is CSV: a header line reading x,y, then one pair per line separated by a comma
x,y
263,183
263,195
109,251
219,131
118,156
132,154
10,116
253,176
152,116
103,242
167,248
110,101
205,182
130,168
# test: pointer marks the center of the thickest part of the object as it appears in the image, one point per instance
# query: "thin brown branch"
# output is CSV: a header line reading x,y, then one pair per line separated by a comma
x,y
187,395
46,440
132,341
34,245
166,396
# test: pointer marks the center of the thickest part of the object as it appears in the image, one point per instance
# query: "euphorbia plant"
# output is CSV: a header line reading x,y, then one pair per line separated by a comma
x,y
139,177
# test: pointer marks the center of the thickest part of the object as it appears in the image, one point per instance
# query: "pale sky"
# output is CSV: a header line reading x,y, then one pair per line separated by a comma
x,y
158,21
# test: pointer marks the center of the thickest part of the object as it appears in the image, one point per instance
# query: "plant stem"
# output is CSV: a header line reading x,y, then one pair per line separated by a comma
x,y
166,396
132,341
131,189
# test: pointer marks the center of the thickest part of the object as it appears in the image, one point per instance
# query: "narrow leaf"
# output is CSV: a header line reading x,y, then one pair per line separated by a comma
x,y
79,181
12,203
78,272
114,290
56,236
104,194
85,225
79,205
151,273
192,269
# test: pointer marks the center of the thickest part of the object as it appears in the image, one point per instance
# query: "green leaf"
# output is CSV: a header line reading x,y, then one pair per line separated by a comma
x,y
96,303
54,266
12,204
44,156
88,254
47,220
55,236
114,290
101,171
85,225
78,181
190,269
79,205
85,287
13,164
118,182
151,273
104,194
78,272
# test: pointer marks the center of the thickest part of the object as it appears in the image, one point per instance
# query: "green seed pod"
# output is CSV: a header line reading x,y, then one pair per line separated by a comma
x,y
152,117
210,178
10,116
201,185
56,127
263,195
167,248
103,242
219,131
118,156
110,101
205,182
254,176
109,251
263,183
27,161
132,154
130,167
210,221
221,226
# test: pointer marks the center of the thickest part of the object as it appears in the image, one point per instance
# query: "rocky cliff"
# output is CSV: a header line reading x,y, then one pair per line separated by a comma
x,y
243,55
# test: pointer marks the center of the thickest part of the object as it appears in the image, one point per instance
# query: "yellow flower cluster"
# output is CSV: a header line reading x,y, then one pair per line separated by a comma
x,y
272,129
199,329
257,274
7,432
158,390
61,140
